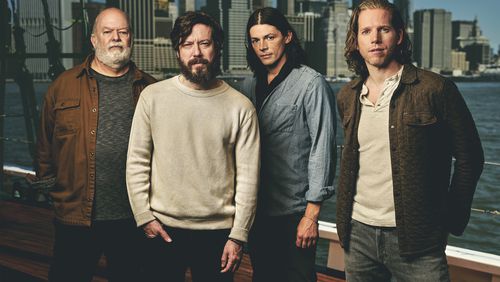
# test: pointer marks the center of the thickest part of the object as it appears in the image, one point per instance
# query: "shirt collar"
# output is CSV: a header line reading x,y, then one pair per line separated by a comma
x,y
389,83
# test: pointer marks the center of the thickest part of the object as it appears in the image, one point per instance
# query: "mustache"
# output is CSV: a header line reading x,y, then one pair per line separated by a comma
x,y
116,45
197,61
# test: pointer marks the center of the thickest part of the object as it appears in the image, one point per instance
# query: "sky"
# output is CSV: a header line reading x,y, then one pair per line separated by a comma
x,y
487,12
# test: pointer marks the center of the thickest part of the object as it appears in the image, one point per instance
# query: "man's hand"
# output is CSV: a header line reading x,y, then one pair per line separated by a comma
x,y
154,228
307,230
231,256
307,233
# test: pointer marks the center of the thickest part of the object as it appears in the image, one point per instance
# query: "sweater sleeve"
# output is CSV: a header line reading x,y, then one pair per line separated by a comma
x,y
140,150
247,157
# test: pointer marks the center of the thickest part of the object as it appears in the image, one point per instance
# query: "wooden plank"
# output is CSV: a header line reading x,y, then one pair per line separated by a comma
x,y
26,240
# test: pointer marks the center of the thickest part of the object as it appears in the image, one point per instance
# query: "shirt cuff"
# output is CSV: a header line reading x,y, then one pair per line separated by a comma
x,y
144,218
239,234
319,195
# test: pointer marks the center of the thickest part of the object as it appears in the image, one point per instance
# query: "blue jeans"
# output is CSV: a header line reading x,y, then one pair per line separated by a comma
x,y
373,255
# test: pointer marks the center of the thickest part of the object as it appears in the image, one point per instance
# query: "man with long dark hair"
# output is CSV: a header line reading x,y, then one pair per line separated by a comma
x,y
396,202
193,162
296,110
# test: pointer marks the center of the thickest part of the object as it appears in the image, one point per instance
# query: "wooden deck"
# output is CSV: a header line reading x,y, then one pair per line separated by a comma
x,y
26,238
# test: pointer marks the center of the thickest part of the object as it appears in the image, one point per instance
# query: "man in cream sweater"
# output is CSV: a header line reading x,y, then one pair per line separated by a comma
x,y
193,162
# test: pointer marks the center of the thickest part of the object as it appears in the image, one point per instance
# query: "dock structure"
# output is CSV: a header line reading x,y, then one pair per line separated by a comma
x,y
27,232
26,240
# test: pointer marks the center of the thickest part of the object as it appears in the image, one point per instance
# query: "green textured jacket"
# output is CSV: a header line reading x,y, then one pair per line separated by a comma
x,y
429,124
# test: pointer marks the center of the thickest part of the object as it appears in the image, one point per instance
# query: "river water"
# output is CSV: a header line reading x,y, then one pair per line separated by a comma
x,y
483,100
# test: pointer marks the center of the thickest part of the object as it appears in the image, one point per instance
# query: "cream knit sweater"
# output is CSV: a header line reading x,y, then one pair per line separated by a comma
x,y
193,158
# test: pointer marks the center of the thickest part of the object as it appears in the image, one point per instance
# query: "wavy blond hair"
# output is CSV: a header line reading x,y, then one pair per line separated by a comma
x,y
354,59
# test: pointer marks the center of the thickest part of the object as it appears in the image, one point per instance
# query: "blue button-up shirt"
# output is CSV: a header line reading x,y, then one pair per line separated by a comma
x,y
297,125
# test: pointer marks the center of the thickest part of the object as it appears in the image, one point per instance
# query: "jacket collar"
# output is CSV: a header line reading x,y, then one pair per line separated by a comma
x,y
84,68
409,76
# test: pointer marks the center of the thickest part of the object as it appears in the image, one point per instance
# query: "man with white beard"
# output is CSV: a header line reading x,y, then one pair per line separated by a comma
x,y
82,148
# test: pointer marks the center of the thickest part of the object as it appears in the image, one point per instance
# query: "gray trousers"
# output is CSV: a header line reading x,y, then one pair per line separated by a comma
x,y
373,255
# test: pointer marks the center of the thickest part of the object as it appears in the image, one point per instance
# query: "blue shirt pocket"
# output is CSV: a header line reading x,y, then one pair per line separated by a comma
x,y
283,117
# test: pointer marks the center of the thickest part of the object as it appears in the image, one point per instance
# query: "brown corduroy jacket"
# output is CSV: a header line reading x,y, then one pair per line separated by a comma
x,y
429,123
67,140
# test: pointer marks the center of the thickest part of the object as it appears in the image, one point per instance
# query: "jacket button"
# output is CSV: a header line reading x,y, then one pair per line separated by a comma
x,y
94,110
92,131
392,126
92,175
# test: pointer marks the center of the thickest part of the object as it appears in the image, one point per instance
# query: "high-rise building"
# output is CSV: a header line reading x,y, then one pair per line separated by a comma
x,y
467,36
232,16
257,4
309,29
152,21
310,6
287,7
432,39
142,17
337,20
461,31
478,54
459,63
305,26
162,8
404,7
186,5
164,54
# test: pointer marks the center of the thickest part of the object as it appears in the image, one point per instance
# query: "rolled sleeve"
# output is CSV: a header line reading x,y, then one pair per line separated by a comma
x,y
321,120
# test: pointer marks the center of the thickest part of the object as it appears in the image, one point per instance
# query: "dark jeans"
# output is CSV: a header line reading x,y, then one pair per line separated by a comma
x,y
274,254
77,251
373,255
200,250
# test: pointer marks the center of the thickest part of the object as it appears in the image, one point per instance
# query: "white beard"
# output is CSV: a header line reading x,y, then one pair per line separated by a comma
x,y
114,59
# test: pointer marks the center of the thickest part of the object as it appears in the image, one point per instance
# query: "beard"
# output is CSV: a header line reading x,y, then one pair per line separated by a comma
x,y
113,58
203,75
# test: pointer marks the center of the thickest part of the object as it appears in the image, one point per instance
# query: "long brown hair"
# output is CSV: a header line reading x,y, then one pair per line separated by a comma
x,y
354,59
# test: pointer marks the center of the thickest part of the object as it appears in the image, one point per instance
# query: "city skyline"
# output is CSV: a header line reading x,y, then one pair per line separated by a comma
x,y
460,9
485,10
